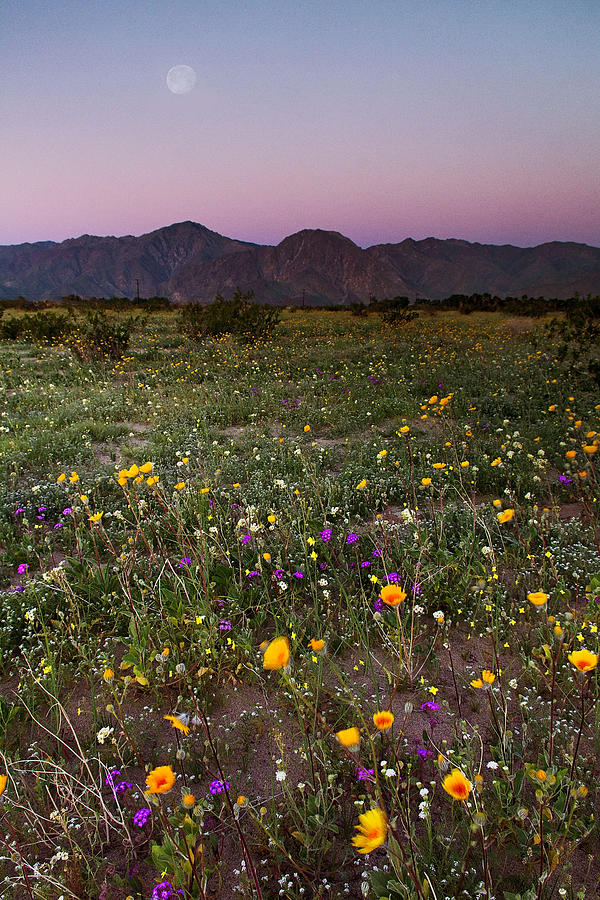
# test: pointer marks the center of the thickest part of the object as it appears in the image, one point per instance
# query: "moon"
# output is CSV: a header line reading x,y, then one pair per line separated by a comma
x,y
181,79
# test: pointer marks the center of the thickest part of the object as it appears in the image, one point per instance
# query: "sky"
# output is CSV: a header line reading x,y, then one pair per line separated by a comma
x,y
473,119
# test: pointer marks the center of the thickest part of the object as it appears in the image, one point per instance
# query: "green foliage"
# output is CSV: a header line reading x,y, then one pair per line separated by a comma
x,y
10,328
239,316
101,337
46,327
40,328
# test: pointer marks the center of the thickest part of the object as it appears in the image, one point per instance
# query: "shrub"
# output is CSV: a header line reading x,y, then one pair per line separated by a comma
x,y
45,327
102,338
396,313
10,328
238,316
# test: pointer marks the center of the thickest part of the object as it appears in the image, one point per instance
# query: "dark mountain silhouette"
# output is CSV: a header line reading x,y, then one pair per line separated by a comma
x,y
188,262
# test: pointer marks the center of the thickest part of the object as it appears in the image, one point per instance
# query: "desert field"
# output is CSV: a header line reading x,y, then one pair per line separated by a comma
x,y
308,616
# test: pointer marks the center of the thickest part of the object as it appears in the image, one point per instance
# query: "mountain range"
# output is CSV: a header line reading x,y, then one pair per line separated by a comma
x,y
189,263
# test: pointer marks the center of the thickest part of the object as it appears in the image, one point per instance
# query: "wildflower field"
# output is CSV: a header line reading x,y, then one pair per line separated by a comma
x,y
315,616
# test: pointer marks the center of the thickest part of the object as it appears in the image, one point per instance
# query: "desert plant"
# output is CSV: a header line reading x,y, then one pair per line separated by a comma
x,y
10,328
102,338
45,327
238,316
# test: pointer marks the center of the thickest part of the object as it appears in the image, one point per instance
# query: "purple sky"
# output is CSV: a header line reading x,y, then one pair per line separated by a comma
x,y
382,120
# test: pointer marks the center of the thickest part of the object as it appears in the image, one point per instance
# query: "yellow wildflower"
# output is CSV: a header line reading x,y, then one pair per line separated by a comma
x,y
506,516
383,720
276,653
392,594
583,660
160,780
457,785
349,738
372,831
177,723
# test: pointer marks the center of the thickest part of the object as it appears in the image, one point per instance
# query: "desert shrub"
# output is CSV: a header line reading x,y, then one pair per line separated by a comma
x,y
577,341
10,328
102,338
238,316
45,327
396,312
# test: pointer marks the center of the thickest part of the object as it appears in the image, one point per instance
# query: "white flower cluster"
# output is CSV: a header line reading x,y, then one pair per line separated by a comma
x,y
104,734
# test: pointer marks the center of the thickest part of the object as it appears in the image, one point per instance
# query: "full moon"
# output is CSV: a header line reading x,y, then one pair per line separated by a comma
x,y
181,79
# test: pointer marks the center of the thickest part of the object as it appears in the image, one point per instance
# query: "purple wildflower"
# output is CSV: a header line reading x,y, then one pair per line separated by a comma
x,y
142,816
19,511
298,574
253,573
393,577
164,890
429,704
58,525
184,561
364,774
109,781
23,568
417,590
16,589
564,480
67,511
424,752
325,534
123,786
352,539
364,564
378,604
246,538
224,625
219,787
278,573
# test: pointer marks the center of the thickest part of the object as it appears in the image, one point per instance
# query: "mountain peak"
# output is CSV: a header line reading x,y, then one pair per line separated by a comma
x,y
189,262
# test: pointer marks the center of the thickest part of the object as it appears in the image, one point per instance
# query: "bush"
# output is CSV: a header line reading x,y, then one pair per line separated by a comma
x,y
40,327
10,328
238,316
45,327
102,338
396,313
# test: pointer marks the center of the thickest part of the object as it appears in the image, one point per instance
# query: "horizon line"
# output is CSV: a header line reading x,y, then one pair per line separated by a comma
x,y
299,231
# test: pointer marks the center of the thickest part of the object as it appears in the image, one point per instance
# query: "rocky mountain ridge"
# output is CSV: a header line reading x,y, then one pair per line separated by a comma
x,y
190,263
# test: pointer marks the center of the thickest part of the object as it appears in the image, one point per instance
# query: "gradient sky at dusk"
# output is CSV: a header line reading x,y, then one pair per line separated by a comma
x,y
382,120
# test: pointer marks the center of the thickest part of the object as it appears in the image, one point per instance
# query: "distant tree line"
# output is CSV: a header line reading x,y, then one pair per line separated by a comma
x,y
515,306
394,310
75,302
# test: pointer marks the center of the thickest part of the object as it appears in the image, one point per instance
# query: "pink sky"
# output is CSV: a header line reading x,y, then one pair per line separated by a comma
x,y
400,120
